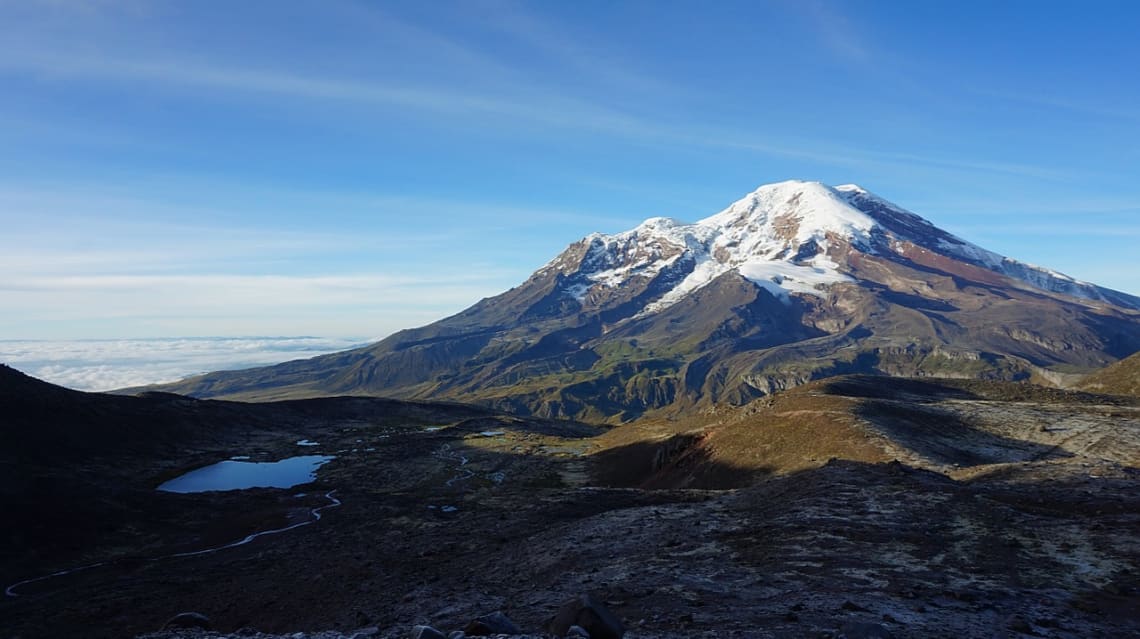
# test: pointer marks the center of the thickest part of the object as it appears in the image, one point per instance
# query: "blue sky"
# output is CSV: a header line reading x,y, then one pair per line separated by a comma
x,y
343,168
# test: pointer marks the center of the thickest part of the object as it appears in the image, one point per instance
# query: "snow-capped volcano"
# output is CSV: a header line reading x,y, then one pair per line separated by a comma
x,y
787,237
793,282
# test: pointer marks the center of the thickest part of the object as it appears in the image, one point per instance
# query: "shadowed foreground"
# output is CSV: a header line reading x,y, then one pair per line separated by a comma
x,y
1015,522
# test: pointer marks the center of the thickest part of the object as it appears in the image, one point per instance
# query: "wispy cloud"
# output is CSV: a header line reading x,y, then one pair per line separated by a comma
x,y
164,208
1009,168
1121,210
531,107
503,96
118,263
1116,111
837,155
67,245
506,83
211,296
595,62
450,78
836,31
1071,229
428,43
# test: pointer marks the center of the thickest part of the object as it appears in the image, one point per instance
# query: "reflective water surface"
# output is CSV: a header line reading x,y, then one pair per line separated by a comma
x,y
237,475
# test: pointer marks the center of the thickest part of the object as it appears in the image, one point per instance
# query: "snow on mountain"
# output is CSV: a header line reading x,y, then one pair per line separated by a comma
x,y
794,282
788,237
926,234
790,211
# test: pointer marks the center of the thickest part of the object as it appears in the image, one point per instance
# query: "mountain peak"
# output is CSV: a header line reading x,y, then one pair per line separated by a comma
x,y
797,211
787,237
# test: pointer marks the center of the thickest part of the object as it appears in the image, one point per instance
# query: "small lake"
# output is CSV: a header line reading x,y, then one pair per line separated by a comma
x,y
238,475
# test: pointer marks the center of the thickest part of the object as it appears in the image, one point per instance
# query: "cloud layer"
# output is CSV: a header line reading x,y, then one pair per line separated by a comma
x,y
99,365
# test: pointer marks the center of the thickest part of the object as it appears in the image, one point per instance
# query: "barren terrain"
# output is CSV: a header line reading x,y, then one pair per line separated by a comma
x,y
1010,510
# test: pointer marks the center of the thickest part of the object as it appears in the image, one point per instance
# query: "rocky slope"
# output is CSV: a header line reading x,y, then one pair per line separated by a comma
x,y
947,426
794,282
1121,378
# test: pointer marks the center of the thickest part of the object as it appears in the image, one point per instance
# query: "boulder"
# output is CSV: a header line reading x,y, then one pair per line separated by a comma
x,y
590,615
425,632
495,623
577,632
863,630
188,620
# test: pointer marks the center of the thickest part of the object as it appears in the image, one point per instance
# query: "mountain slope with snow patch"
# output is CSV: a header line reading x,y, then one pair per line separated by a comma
x,y
793,282
789,237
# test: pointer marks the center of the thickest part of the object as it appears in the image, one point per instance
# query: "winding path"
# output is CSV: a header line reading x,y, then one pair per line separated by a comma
x,y
315,515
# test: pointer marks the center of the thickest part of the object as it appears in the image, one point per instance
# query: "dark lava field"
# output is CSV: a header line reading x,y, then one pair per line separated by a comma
x,y
927,509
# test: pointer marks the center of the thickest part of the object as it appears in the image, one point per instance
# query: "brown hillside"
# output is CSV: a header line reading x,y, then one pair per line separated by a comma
x,y
1121,378
956,427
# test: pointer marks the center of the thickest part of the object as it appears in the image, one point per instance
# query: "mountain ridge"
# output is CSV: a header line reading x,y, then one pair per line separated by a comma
x,y
794,282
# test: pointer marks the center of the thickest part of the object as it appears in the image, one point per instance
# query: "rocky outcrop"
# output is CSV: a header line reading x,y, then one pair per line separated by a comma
x,y
581,618
425,632
188,620
588,615
495,623
863,630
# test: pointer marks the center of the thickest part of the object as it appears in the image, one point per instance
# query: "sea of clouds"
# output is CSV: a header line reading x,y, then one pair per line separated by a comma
x,y
107,364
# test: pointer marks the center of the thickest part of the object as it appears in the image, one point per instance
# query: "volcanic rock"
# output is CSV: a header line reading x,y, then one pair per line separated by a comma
x,y
188,620
589,614
495,623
